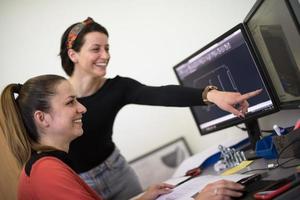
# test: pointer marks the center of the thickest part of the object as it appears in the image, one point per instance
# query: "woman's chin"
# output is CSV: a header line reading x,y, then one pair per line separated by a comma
x,y
78,134
100,71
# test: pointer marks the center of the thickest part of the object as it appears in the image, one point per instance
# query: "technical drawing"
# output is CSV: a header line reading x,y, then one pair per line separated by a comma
x,y
220,77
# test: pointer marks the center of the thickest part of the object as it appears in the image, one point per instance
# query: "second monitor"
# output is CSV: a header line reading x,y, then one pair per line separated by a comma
x,y
275,32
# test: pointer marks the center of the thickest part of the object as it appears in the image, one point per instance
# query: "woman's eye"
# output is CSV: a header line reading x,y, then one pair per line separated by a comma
x,y
95,50
71,102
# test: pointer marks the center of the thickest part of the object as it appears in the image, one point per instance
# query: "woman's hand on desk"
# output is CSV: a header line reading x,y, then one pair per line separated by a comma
x,y
222,189
155,190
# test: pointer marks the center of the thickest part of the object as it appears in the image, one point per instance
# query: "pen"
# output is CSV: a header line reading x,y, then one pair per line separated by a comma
x,y
192,173
181,182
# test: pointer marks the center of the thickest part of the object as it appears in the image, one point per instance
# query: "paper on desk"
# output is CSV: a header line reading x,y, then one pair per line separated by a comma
x,y
195,185
197,159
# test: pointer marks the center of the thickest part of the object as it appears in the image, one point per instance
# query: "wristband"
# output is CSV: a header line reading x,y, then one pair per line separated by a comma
x,y
204,94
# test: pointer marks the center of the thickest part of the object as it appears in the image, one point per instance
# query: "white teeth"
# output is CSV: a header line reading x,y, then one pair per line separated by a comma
x,y
101,64
78,121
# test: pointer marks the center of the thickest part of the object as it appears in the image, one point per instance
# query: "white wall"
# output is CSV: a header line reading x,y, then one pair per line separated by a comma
x,y
147,38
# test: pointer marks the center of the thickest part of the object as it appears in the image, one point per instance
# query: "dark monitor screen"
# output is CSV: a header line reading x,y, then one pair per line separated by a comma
x,y
273,27
230,64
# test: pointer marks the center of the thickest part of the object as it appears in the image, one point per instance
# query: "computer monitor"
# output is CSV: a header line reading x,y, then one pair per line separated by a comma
x,y
274,29
229,63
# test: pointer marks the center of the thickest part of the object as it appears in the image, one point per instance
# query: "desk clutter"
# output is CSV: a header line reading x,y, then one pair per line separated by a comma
x,y
285,145
280,144
281,189
288,145
274,180
231,157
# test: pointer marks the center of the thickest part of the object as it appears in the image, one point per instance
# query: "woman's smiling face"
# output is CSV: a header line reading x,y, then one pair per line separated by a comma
x,y
66,112
93,56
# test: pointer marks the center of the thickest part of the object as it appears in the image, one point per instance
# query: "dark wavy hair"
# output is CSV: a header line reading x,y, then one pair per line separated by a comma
x,y
66,62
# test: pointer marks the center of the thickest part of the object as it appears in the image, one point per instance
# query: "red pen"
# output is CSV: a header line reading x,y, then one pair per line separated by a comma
x,y
192,173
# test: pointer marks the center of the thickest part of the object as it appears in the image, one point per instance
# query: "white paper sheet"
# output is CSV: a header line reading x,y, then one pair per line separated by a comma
x,y
195,185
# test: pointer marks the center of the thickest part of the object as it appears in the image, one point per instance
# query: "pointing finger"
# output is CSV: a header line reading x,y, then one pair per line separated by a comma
x,y
249,95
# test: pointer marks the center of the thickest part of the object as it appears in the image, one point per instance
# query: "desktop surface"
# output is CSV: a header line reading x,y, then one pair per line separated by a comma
x,y
268,177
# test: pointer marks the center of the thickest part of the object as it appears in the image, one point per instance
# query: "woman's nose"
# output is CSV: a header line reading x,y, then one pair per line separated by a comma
x,y
81,108
104,54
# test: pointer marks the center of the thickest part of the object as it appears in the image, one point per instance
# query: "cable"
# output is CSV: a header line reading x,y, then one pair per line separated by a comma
x,y
278,164
281,152
286,167
245,129
288,129
256,170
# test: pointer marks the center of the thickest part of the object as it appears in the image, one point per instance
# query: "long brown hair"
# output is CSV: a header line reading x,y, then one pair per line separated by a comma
x,y
18,104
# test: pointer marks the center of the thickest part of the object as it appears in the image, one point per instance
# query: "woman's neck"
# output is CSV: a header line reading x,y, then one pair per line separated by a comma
x,y
55,144
86,86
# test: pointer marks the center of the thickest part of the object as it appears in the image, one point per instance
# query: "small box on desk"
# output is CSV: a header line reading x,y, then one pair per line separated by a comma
x,y
288,145
265,148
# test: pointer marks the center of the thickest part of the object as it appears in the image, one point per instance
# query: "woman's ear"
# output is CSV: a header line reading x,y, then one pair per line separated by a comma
x,y
72,55
40,119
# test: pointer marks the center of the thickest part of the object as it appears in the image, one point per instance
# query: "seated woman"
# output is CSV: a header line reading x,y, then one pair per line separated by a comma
x,y
39,120
39,125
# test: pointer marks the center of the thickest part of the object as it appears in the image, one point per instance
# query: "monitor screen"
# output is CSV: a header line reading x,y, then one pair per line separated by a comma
x,y
274,29
230,64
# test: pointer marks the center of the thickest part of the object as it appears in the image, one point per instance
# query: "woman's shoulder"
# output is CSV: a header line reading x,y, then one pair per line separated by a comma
x,y
51,178
49,165
123,80
50,171
120,78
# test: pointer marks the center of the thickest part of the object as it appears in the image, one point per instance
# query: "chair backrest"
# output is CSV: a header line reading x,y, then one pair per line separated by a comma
x,y
9,171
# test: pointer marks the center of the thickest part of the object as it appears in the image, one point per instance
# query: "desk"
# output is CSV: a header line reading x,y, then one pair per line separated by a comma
x,y
273,174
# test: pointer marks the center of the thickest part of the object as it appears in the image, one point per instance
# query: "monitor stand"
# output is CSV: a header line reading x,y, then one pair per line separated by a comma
x,y
254,134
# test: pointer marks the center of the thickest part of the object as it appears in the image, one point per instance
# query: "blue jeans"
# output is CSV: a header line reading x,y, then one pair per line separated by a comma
x,y
114,179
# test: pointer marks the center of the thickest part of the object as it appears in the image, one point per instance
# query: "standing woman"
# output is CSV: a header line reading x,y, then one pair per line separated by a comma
x,y
84,53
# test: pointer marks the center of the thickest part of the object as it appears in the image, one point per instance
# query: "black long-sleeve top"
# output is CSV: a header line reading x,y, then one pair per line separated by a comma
x,y
95,145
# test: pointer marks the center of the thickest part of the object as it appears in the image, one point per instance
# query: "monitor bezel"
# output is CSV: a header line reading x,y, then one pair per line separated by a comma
x,y
282,105
292,11
234,121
